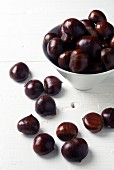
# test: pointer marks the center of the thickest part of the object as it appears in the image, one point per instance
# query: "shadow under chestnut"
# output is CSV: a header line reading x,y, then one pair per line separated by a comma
x,y
105,132
49,117
61,93
86,160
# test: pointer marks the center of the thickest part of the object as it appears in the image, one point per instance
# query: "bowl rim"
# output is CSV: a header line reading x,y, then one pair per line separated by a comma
x,y
71,73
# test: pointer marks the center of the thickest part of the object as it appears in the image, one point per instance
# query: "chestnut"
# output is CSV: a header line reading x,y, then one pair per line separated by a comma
x,y
28,125
79,61
92,32
19,72
33,89
45,105
66,38
52,85
43,144
52,33
74,28
112,42
93,122
75,150
96,15
95,67
90,45
48,37
88,23
64,59
54,48
90,27
108,117
107,57
66,131
105,30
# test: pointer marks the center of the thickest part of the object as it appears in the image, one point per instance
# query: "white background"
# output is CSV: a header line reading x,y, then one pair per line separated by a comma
x,y
23,23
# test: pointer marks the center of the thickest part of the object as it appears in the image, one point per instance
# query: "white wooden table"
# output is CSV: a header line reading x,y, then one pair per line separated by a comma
x,y
23,23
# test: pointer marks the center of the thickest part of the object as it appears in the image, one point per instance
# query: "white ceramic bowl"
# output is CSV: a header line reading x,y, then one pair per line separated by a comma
x,y
80,81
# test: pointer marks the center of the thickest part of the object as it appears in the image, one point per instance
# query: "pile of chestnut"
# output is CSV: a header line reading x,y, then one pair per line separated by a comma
x,y
85,46
34,89
74,148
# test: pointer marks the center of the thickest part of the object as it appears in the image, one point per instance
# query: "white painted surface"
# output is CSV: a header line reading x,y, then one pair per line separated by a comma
x,y
23,24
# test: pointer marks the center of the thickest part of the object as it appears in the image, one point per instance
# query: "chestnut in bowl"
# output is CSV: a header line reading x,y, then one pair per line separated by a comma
x,y
80,81
88,23
107,57
74,28
90,45
53,31
64,60
105,30
54,48
90,27
79,61
48,37
96,15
